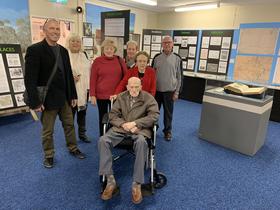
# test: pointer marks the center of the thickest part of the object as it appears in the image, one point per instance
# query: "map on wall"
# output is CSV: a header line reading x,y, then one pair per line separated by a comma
x,y
253,68
258,40
276,78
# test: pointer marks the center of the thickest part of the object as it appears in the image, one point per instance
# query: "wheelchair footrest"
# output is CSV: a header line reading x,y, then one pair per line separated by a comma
x,y
147,189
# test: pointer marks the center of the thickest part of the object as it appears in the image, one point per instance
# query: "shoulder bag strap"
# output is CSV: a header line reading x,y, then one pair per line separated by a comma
x,y
121,65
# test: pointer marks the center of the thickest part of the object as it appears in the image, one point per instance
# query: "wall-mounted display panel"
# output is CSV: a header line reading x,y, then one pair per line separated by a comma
x,y
185,44
215,51
151,41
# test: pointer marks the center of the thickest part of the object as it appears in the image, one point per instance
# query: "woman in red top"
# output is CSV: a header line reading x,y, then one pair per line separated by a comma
x,y
142,71
106,73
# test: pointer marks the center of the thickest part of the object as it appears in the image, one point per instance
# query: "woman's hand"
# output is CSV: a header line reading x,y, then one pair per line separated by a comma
x,y
93,100
113,97
77,78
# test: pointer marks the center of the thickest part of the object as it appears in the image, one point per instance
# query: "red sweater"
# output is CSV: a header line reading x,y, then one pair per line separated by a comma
x,y
148,81
106,73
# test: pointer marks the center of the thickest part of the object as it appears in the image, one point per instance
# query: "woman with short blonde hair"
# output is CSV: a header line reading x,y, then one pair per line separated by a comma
x,y
81,69
106,72
108,42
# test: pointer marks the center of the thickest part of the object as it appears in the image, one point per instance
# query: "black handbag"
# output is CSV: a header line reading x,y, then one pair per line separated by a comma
x,y
42,90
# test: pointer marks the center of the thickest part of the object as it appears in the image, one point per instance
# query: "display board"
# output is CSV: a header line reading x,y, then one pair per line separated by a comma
x,y
185,44
151,41
115,25
215,51
11,77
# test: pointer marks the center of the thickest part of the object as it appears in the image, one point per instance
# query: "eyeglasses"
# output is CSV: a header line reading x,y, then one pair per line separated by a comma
x,y
167,42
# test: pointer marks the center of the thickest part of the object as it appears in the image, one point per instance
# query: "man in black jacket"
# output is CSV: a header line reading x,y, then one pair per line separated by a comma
x,y
39,63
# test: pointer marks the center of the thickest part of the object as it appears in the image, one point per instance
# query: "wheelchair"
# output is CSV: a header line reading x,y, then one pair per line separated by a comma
x,y
157,179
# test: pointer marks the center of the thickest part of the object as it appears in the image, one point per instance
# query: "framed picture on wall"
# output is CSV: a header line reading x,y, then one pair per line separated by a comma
x,y
87,29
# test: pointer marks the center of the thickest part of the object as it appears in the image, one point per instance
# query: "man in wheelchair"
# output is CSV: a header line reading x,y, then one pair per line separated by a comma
x,y
133,114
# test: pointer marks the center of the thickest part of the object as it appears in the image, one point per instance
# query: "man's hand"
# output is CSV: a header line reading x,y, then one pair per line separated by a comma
x,y
74,102
134,130
40,108
93,100
175,96
128,126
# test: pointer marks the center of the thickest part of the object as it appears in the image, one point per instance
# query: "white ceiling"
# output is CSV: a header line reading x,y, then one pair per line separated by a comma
x,y
169,5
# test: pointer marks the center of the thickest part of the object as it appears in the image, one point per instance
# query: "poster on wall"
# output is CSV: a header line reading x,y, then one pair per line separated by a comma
x,y
93,16
151,41
14,23
115,25
185,44
38,34
215,50
11,77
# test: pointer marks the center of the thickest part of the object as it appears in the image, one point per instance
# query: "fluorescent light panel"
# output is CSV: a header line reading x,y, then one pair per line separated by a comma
x,y
148,2
202,6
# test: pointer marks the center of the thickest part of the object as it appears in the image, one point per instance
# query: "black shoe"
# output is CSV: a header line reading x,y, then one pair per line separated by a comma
x,y
84,138
168,136
78,154
48,162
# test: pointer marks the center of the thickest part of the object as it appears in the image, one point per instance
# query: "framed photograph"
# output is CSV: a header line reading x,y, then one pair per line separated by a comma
x,y
87,29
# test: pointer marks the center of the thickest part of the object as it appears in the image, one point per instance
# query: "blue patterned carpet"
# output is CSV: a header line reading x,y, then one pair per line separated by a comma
x,y
200,175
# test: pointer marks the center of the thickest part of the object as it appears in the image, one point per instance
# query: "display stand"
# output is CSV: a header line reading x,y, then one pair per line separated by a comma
x,y
235,122
11,80
115,26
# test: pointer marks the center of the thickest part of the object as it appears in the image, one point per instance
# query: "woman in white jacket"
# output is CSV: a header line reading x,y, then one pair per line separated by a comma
x,y
81,66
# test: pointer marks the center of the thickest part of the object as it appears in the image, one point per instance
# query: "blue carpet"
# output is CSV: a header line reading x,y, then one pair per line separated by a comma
x,y
200,175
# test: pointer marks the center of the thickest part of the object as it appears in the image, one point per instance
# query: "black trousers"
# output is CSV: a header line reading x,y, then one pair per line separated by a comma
x,y
81,120
104,106
166,99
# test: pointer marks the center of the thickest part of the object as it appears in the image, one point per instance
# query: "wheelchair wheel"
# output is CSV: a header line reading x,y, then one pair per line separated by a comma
x,y
160,180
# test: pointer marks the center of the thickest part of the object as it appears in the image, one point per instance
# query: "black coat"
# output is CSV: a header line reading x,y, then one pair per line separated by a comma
x,y
39,63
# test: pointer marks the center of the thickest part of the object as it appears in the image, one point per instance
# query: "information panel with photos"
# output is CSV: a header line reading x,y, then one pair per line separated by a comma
x,y
11,77
151,41
215,51
185,44
115,26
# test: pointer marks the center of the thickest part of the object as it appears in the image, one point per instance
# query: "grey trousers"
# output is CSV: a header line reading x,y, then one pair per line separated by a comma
x,y
111,139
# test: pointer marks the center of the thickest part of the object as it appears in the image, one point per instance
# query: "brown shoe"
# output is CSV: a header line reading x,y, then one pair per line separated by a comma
x,y
109,191
136,194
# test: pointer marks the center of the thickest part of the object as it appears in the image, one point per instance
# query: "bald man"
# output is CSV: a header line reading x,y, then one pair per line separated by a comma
x,y
40,60
133,114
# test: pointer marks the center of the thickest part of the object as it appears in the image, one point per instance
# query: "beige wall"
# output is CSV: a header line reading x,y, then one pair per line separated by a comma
x,y
43,8
223,18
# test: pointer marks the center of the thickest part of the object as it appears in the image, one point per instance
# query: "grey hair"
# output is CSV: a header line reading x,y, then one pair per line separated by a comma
x,y
133,43
73,36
